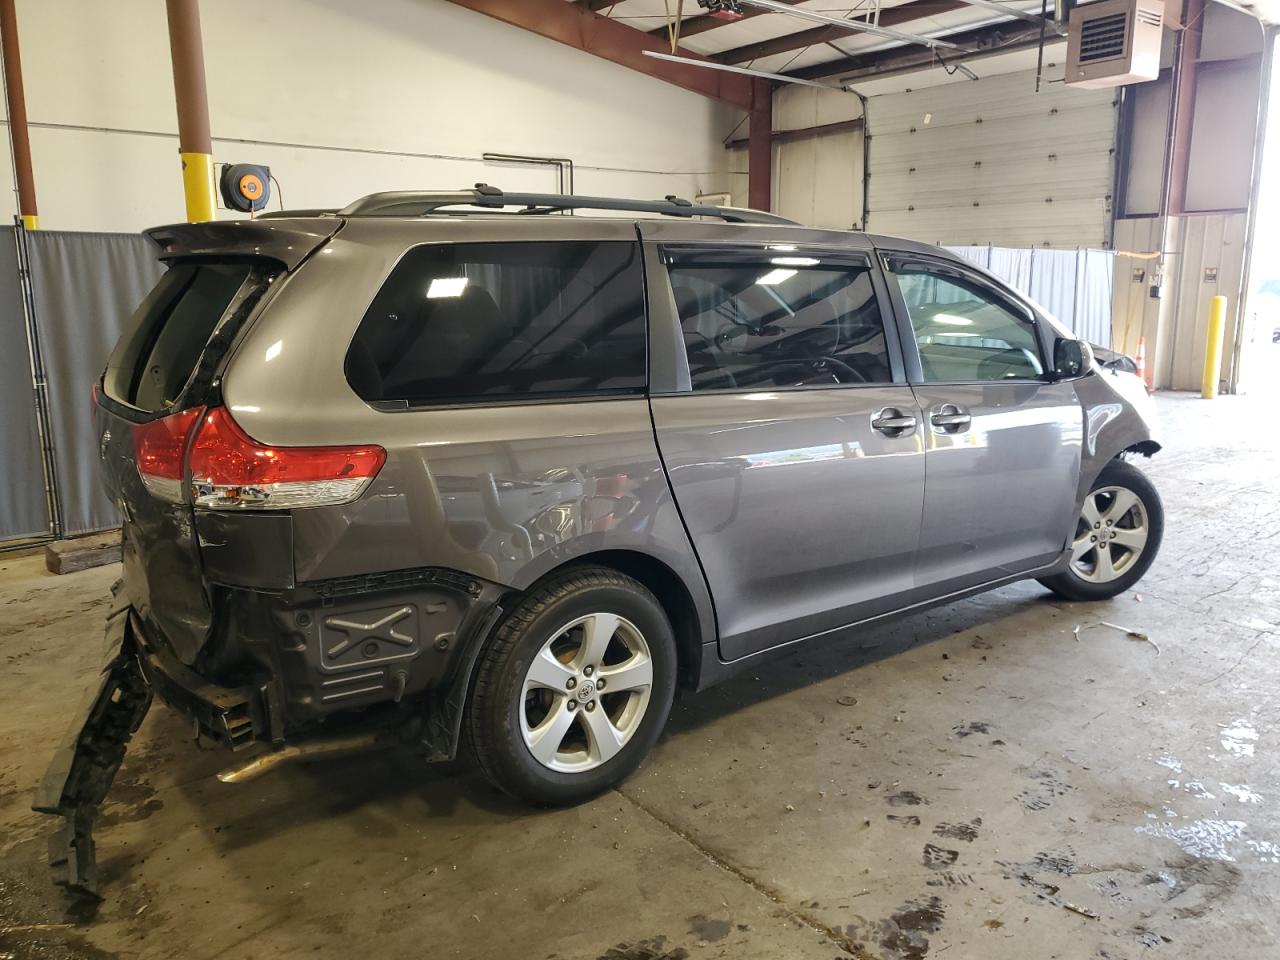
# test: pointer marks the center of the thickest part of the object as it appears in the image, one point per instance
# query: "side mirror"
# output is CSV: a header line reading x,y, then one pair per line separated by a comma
x,y
1071,358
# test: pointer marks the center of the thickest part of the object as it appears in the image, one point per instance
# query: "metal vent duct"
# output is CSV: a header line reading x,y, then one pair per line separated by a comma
x,y
1103,37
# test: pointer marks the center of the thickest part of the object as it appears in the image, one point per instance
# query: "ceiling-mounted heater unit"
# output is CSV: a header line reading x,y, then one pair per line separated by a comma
x,y
1113,42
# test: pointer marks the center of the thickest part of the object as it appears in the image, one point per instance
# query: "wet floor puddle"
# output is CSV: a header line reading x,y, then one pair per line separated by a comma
x,y
1213,839
1221,838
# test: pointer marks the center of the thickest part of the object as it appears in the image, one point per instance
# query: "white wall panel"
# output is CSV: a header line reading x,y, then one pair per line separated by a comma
x,y
1134,313
992,161
818,180
795,107
340,99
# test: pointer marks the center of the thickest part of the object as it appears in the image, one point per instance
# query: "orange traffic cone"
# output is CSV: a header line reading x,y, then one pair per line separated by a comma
x,y
1140,358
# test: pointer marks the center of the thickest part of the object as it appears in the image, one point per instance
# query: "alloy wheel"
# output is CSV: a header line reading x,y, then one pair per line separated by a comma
x,y
1110,536
586,692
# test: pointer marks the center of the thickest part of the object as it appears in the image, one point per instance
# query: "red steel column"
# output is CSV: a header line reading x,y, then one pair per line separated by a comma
x,y
17,103
760,146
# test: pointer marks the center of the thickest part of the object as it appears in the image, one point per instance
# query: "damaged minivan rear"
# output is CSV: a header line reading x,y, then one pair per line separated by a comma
x,y
409,473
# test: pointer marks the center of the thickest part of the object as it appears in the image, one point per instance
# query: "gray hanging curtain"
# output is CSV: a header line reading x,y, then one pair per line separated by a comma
x,y
1073,285
24,510
1093,296
85,287
1053,283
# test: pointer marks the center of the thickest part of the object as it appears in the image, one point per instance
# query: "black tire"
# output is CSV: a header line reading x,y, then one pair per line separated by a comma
x,y
1070,584
493,719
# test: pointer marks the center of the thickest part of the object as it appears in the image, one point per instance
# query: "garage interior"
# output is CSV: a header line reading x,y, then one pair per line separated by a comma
x,y
1009,776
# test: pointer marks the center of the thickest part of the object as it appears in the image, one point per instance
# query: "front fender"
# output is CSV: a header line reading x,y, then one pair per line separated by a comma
x,y
1118,415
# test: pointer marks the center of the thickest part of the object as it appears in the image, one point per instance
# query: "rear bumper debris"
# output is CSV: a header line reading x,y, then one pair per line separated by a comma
x,y
86,763
402,644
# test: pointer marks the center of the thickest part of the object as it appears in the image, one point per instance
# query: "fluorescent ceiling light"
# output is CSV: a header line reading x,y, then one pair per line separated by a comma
x,y
855,26
795,261
951,319
442,287
746,71
775,277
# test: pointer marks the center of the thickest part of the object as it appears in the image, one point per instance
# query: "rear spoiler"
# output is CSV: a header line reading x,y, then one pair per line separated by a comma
x,y
288,241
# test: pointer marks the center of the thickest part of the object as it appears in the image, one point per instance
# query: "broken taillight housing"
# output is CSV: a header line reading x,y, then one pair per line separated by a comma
x,y
159,450
230,470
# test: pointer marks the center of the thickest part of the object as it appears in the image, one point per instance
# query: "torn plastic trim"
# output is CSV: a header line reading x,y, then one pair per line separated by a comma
x,y
83,768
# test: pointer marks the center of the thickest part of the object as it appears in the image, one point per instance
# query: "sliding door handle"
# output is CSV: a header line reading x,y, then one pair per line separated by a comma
x,y
949,418
894,423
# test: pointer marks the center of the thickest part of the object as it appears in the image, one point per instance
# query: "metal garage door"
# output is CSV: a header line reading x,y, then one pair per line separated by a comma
x,y
992,161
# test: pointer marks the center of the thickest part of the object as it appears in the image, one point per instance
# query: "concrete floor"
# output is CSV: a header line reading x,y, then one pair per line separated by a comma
x,y
976,781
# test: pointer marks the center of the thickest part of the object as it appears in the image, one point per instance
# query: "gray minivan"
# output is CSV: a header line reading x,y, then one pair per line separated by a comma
x,y
445,468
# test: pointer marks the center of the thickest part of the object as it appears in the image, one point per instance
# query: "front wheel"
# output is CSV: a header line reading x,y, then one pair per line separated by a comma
x,y
574,688
1117,536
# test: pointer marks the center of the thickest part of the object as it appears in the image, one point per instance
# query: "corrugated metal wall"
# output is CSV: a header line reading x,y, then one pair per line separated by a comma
x,y
1203,257
1212,244
992,161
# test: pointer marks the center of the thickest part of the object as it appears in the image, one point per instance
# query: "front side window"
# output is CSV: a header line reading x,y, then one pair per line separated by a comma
x,y
966,332
771,323
504,321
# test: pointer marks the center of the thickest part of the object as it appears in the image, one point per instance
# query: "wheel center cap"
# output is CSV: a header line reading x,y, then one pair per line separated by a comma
x,y
585,691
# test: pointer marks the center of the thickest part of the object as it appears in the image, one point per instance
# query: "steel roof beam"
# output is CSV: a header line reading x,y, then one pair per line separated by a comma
x,y
576,26
701,23
889,17
845,23
979,42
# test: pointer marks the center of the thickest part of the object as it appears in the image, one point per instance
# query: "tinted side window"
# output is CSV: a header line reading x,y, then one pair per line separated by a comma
x,y
779,323
966,332
504,320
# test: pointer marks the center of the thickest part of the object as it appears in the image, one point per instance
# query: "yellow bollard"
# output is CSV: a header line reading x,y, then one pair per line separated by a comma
x,y
1213,348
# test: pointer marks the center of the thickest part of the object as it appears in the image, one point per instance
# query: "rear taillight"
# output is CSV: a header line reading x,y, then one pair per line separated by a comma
x,y
159,448
231,471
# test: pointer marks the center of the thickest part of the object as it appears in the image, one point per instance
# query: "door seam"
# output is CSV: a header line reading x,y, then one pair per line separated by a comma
x,y
684,525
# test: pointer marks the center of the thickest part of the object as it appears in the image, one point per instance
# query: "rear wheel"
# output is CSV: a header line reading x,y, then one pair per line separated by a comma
x,y
574,688
1117,536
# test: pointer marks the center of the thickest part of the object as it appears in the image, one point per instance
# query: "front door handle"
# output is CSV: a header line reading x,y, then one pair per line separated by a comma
x,y
949,418
894,423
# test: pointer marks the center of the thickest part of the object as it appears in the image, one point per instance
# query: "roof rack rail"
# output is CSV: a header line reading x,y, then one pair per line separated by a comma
x,y
415,203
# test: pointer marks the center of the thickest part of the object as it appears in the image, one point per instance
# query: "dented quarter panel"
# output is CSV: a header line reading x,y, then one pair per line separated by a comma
x,y
162,575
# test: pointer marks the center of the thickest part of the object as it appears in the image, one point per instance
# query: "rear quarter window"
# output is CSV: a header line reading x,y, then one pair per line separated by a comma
x,y
168,332
504,321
